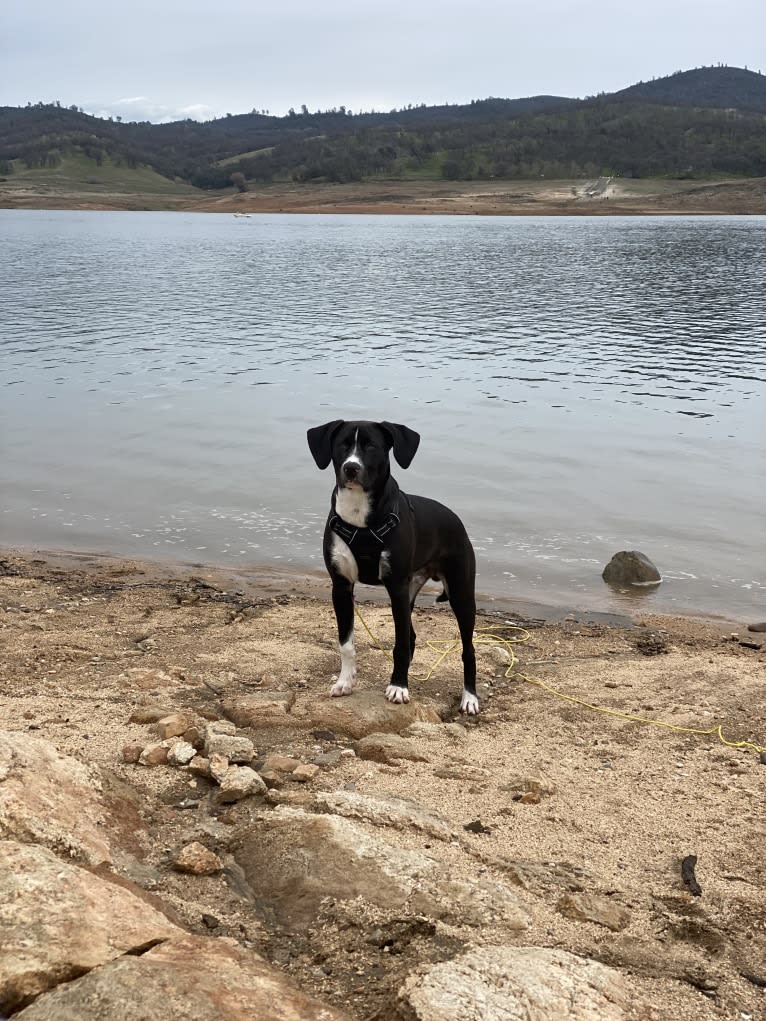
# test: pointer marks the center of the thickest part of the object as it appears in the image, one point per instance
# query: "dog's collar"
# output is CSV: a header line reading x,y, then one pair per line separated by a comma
x,y
370,537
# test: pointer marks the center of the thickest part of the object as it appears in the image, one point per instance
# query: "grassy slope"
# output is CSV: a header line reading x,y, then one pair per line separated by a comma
x,y
79,174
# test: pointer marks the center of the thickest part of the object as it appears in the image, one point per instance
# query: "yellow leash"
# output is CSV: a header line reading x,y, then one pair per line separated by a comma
x,y
443,647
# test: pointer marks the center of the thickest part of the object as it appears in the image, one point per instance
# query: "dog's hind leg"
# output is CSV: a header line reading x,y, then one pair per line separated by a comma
x,y
464,608
343,603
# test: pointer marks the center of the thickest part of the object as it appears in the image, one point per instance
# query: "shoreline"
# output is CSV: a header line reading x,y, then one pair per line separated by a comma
x,y
259,581
618,197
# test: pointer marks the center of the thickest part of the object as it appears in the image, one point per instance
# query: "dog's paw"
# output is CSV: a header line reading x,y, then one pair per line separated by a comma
x,y
342,687
396,694
469,704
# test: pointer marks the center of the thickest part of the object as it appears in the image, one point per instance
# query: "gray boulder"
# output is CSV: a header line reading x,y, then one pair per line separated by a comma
x,y
629,567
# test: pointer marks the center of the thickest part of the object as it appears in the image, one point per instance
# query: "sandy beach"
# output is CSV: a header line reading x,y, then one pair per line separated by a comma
x,y
572,821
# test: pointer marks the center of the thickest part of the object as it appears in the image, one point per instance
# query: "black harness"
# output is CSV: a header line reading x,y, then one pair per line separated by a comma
x,y
366,541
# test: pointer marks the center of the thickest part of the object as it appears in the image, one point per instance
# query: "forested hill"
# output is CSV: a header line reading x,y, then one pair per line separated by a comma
x,y
692,123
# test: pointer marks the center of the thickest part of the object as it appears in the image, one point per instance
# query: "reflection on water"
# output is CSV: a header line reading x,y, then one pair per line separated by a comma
x,y
581,386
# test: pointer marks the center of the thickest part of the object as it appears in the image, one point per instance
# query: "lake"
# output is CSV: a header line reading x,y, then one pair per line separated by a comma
x,y
581,385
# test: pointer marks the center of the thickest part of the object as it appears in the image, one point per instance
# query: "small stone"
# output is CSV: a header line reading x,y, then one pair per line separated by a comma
x,y
530,798
210,921
388,748
240,782
762,758
221,727
200,766
173,725
154,754
499,655
181,753
305,772
272,778
148,714
235,747
328,758
281,763
195,737
219,766
132,752
591,907
757,627
347,753
197,860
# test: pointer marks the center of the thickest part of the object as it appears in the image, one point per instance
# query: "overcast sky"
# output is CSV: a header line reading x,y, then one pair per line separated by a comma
x,y
166,59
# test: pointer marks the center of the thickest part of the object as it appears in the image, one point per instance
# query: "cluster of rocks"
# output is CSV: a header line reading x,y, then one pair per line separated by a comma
x,y
216,751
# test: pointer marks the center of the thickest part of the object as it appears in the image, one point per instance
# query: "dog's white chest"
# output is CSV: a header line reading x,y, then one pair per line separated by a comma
x,y
353,505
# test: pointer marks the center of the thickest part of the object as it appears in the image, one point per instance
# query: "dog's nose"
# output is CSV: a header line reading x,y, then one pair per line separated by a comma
x,y
350,470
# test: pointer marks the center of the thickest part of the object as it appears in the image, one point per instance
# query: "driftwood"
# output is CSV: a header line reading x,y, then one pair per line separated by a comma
x,y
687,874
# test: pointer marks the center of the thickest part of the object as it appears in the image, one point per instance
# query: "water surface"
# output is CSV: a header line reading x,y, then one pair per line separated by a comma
x,y
581,386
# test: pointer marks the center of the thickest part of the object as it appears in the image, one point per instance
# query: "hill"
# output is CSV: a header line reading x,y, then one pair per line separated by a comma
x,y
698,123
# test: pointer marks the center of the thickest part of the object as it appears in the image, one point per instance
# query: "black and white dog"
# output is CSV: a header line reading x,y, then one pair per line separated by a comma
x,y
378,535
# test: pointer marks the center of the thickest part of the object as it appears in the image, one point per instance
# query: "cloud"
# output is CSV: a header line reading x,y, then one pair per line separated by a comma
x,y
143,108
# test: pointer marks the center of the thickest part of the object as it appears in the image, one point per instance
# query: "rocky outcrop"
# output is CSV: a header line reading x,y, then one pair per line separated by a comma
x,y
50,799
194,978
503,983
340,859
59,921
362,713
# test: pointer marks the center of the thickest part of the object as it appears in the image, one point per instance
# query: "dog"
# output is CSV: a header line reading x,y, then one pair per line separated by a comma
x,y
377,535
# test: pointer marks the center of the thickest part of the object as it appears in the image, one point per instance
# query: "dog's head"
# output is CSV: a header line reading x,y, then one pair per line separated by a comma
x,y
359,450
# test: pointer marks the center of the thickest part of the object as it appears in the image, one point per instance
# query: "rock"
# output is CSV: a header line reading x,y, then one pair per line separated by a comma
x,y
499,654
591,907
196,859
328,759
59,921
629,567
757,627
463,772
173,725
148,714
195,737
272,778
364,712
146,679
530,798
221,727
131,752
200,766
260,709
235,747
240,782
154,754
218,766
305,771
194,978
181,753
504,983
535,783
435,731
50,799
388,748
281,763
386,811
340,859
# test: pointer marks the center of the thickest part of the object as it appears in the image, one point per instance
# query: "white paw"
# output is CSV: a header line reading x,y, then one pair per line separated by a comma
x,y
396,694
342,687
469,704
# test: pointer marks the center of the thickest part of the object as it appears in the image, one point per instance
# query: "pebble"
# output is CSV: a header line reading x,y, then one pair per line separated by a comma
x,y
757,627
281,763
181,753
154,754
132,752
305,772
239,782
218,766
200,766
197,860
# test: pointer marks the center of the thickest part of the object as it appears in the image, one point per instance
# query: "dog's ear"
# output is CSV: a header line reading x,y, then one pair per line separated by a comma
x,y
320,441
404,442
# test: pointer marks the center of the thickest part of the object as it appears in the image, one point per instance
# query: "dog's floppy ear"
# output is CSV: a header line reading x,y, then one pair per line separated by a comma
x,y
404,442
320,441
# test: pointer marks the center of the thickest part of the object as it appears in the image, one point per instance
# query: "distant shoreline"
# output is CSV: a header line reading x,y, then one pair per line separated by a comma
x,y
602,197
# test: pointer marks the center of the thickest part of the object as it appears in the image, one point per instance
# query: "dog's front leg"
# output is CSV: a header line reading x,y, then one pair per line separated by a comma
x,y
343,603
398,690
